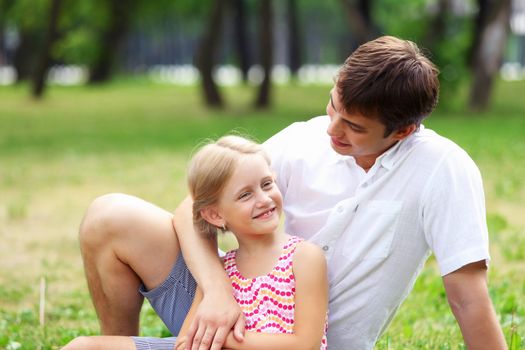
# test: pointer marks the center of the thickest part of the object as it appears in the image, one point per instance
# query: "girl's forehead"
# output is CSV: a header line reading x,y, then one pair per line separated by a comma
x,y
252,161
251,167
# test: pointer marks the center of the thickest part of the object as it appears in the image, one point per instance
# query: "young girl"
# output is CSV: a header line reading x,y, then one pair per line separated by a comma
x,y
278,280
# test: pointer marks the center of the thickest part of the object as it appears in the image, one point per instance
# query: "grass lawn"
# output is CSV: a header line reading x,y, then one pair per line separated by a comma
x,y
58,154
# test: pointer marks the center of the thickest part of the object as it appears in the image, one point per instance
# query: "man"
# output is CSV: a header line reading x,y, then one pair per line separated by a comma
x,y
369,184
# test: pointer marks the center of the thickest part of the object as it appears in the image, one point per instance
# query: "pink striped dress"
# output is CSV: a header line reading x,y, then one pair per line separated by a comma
x,y
268,301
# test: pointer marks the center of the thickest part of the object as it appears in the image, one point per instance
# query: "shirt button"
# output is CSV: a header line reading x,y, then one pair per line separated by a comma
x,y
325,248
340,209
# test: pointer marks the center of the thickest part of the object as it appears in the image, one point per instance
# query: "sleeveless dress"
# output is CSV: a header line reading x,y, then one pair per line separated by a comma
x,y
268,301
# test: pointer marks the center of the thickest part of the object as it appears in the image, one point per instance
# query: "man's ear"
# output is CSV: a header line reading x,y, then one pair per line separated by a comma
x,y
405,131
212,215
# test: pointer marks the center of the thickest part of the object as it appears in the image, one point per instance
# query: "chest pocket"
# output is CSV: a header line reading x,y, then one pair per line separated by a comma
x,y
372,230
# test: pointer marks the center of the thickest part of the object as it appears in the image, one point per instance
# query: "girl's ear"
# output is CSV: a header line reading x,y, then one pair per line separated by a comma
x,y
212,215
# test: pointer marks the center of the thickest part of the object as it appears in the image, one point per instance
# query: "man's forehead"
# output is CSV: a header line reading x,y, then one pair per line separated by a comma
x,y
334,100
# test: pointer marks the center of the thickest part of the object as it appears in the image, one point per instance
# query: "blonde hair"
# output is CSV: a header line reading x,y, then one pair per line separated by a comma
x,y
211,168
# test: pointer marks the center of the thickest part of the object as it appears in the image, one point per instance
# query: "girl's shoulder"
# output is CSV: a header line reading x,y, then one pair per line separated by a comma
x,y
308,253
309,266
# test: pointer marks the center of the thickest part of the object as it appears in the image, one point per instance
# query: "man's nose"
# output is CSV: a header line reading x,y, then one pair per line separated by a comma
x,y
334,128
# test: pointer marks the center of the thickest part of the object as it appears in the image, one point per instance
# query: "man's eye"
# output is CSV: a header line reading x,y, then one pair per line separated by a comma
x,y
354,127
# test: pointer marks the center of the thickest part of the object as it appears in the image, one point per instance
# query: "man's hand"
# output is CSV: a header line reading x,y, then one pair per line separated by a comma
x,y
217,314
180,344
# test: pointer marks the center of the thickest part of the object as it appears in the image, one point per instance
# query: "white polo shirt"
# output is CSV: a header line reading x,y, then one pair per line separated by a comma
x,y
378,228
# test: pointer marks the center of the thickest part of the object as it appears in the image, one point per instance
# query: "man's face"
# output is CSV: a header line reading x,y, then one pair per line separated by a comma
x,y
355,135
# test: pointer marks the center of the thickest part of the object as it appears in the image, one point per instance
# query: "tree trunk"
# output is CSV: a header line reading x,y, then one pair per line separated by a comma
x,y
492,30
241,37
266,52
360,19
4,8
111,40
206,55
24,58
436,31
3,53
294,37
44,59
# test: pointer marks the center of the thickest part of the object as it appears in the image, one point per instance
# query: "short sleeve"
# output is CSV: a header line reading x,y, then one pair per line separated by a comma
x,y
454,217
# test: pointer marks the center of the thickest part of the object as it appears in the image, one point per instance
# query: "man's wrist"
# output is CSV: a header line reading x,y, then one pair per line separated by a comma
x,y
217,287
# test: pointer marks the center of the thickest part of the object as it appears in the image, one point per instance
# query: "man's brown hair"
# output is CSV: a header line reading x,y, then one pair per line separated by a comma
x,y
391,80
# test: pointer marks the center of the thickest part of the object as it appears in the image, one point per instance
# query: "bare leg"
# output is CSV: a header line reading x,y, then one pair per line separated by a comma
x,y
125,240
100,343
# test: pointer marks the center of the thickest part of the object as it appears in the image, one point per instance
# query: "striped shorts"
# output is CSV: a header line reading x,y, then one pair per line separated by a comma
x,y
171,301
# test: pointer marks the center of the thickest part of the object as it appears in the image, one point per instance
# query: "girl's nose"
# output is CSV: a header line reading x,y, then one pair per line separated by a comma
x,y
263,199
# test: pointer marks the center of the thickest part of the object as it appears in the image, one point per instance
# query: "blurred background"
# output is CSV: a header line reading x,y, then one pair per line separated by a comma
x,y
101,96
228,42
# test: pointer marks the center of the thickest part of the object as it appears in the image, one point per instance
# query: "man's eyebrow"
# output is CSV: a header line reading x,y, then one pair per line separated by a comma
x,y
354,125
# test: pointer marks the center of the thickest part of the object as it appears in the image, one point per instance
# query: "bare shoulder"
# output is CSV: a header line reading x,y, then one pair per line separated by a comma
x,y
307,255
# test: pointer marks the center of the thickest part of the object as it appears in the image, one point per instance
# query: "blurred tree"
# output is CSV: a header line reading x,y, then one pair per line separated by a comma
x,y
266,52
121,13
240,18
294,38
490,36
44,57
359,14
207,54
442,33
28,31
436,31
113,21
79,27
3,7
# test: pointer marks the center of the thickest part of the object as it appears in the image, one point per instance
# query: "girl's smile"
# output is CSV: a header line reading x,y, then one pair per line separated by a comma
x,y
266,215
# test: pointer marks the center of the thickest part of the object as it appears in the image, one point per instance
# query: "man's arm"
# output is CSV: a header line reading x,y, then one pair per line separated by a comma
x,y
218,312
469,300
181,343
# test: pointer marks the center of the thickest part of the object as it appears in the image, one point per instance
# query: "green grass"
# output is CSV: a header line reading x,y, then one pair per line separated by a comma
x,y
58,154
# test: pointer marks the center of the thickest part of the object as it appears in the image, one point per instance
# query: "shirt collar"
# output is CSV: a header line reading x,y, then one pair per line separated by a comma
x,y
389,158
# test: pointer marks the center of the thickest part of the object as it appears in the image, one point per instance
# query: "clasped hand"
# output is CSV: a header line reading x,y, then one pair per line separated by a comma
x,y
214,319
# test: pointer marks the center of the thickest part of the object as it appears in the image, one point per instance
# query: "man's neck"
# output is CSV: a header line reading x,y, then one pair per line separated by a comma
x,y
366,162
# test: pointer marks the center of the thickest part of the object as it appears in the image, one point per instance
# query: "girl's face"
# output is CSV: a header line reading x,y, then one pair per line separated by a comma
x,y
251,203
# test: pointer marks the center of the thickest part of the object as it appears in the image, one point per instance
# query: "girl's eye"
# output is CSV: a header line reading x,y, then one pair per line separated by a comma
x,y
267,184
244,195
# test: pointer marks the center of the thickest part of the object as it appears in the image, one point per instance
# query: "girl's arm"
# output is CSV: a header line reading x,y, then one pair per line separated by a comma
x,y
311,304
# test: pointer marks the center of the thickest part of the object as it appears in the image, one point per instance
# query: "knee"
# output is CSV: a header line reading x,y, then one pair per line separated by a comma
x,y
81,343
104,217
